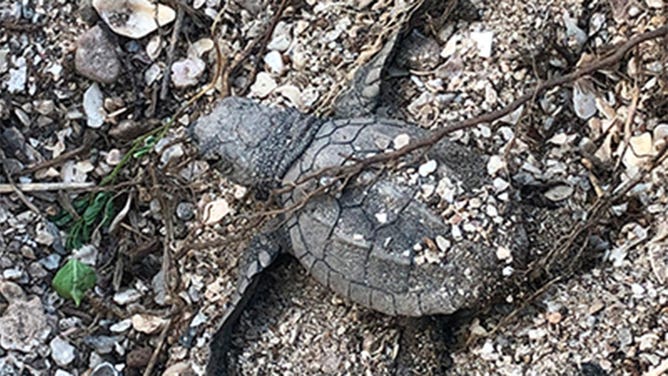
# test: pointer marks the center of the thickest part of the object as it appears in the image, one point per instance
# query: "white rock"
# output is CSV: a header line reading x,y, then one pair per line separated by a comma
x,y
274,60
18,76
401,140
488,352
503,253
427,168
559,139
171,153
535,334
617,256
134,18
512,119
121,326
500,184
264,84
495,164
127,296
113,157
656,4
60,372
93,102
381,217
647,341
427,189
280,39
442,243
637,289
43,235
87,254
61,351
456,232
201,47
483,40
152,73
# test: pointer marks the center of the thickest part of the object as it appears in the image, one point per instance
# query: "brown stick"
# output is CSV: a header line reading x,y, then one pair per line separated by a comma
x,y
164,90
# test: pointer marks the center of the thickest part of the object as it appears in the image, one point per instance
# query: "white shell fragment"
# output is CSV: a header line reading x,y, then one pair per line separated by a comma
x,y
133,18
186,72
93,102
495,164
148,324
264,84
584,100
559,192
640,150
660,136
216,210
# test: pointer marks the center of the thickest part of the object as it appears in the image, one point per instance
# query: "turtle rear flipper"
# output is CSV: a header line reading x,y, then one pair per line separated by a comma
x,y
258,256
361,98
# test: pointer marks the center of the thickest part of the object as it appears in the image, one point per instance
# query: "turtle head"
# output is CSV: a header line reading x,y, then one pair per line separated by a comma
x,y
253,144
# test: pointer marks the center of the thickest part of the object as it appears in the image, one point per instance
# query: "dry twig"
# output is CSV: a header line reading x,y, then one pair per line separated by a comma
x,y
41,187
164,90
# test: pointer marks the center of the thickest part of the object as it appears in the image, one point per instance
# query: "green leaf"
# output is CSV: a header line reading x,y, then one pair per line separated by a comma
x,y
73,280
108,213
94,209
74,235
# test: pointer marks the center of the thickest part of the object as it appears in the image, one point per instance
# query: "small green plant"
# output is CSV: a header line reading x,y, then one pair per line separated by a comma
x,y
94,211
73,280
98,212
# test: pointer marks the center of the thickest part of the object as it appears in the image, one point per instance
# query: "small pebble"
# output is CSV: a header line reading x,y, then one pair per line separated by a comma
x,y
61,351
274,60
185,211
127,296
401,140
96,57
93,102
427,168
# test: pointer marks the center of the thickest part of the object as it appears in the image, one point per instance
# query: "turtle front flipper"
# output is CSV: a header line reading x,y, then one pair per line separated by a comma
x,y
258,256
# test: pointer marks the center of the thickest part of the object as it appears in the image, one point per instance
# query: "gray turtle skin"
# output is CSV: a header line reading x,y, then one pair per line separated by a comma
x,y
360,240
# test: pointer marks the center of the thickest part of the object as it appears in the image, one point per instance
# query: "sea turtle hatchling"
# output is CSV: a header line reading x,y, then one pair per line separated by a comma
x,y
365,240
